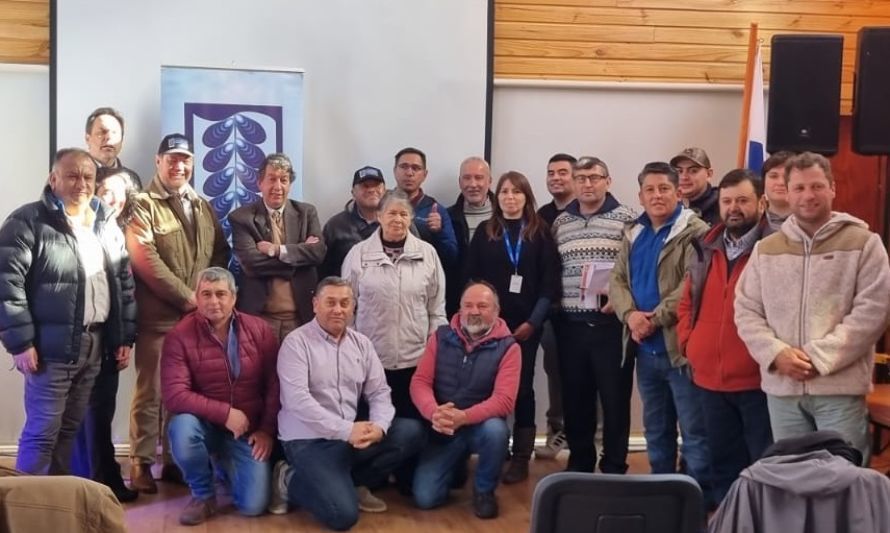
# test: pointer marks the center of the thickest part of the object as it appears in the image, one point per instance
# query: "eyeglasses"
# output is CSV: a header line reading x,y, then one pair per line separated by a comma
x,y
408,166
592,178
692,169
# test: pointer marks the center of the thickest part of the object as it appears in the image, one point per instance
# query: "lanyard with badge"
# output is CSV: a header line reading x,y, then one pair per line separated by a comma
x,y
513,256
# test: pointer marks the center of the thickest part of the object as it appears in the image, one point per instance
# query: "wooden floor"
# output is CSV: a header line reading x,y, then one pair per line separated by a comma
x,y
160,512
156,513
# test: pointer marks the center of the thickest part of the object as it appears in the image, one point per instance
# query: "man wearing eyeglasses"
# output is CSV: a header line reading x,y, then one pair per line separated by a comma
x,y
694,169
430,217
588,235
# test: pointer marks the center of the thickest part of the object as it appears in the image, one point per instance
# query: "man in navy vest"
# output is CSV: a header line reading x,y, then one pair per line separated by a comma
x,y
465,385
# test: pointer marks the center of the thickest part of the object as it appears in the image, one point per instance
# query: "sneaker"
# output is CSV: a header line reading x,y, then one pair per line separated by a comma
x,y
197,511
556,443
278,500
485,505
369,503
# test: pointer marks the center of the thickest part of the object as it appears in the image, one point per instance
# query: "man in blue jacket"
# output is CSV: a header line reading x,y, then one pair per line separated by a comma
x,y
67,291
430,217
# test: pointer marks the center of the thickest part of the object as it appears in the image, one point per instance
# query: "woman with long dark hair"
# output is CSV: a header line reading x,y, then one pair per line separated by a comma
x,y
514,251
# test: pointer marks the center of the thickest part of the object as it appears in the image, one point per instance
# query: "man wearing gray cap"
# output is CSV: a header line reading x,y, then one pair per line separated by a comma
x,y
694,168
278,243
356,222
174,234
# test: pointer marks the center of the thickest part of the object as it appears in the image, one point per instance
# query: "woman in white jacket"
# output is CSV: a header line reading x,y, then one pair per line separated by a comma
x,y
399,288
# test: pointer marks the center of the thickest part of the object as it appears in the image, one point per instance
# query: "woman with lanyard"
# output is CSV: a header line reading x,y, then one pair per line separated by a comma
x,y
514,251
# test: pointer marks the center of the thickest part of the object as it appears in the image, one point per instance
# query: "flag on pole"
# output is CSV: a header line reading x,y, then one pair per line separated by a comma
x,y
754,153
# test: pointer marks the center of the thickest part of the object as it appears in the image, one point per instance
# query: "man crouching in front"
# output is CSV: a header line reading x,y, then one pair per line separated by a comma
x,y
334,461
465,385
219,383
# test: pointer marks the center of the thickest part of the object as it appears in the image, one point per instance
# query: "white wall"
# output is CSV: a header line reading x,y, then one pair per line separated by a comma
x,y
24,164
379,75
626,126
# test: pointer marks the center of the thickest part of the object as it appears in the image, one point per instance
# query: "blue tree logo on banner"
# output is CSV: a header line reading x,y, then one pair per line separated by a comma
x,y
234,143
235,153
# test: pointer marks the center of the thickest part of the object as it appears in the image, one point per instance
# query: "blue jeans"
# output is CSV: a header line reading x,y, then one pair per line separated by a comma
x,y
669,396
56,400
326,472
792,416
738,428
193,442
438,461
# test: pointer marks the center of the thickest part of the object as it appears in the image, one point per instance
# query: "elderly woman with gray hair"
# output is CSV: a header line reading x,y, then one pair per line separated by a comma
x,y
399,288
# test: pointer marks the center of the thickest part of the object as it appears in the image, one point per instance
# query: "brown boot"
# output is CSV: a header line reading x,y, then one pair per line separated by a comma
x,y
197,511
523,442
141,479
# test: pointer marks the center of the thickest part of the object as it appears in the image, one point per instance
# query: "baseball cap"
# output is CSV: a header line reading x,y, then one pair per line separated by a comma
x,y
694,154
367,173
175,143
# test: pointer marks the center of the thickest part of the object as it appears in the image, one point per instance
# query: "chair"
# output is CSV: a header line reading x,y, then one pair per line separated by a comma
x,y
878,402
574,502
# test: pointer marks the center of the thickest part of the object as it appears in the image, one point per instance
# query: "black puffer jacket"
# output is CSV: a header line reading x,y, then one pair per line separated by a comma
x,y
42,282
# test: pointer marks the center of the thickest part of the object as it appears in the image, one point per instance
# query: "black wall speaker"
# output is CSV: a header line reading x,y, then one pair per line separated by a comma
x,y
804,93
871,93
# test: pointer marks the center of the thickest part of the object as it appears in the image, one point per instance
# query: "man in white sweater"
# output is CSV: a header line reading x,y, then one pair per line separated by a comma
x,y
810,305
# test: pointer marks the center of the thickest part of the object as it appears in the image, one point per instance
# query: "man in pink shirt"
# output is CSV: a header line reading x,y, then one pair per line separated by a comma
x,y
465,385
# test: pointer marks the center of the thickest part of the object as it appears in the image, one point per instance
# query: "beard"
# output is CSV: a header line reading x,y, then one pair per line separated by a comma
x,y
741,227
474,325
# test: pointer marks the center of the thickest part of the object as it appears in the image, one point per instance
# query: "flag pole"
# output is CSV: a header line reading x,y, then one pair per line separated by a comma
x,y
746,95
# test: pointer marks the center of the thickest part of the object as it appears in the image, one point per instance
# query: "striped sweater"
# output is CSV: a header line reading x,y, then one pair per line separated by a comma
x,y
582,240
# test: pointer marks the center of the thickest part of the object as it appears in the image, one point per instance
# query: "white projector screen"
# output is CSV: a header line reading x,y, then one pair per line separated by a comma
x,y
379,75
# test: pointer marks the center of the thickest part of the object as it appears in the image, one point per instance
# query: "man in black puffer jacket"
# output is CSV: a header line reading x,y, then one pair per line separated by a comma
x,y
66,296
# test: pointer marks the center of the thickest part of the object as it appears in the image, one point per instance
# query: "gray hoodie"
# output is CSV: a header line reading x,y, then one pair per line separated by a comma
x,y
813,492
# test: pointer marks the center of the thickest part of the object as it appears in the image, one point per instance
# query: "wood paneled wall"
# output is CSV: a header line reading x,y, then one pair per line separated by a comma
x,y
693,41
24,31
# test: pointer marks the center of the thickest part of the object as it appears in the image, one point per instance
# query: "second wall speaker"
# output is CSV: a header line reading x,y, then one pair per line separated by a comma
x,y
871,94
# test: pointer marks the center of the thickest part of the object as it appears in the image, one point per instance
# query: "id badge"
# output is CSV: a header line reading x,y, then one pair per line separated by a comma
x,y
515,283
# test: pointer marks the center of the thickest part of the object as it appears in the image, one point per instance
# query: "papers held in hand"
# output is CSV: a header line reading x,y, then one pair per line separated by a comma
x,y
595,284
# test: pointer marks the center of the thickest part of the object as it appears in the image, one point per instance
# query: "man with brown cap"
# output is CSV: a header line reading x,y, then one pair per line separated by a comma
x,y
174,234
694,168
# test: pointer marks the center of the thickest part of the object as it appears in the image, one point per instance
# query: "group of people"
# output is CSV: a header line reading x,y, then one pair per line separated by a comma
x,y
396,340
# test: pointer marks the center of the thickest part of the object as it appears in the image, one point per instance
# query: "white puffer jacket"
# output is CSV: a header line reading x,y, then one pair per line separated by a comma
x,y
399,304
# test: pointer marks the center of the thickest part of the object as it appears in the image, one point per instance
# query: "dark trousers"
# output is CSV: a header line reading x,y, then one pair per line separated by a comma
x,y
400,383
590,365
326,472
524,414
93,456
737,426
